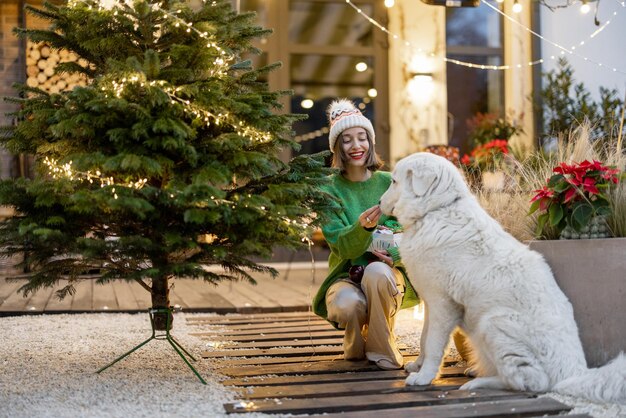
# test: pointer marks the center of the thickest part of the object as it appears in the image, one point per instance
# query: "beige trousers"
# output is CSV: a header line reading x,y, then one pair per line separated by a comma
x,y
367,313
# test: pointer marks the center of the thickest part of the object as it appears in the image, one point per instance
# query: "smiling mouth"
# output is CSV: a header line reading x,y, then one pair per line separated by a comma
x,y
357,155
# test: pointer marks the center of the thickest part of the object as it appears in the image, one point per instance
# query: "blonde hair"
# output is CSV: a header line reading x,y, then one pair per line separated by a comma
x,y
340,158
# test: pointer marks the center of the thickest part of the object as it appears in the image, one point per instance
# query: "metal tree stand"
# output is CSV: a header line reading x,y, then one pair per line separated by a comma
x,y
175,344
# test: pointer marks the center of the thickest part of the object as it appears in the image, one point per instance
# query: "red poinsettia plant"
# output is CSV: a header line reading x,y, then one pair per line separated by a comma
x,y
488,155
574,194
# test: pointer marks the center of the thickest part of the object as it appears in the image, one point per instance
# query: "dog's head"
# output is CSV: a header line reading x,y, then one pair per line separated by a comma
x,y
422,182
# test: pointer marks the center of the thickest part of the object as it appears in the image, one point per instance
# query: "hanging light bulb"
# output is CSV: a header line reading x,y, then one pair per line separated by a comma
x,y
585,8
389,3
360,66
500,1
517,7
307,103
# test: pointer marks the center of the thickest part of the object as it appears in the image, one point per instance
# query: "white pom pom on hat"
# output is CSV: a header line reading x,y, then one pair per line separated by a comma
x,y
342,115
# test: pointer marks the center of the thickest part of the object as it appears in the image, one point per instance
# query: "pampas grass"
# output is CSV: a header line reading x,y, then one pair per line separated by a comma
x,y
530,170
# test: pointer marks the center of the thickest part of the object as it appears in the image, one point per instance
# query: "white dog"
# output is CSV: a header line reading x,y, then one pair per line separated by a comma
x,y
473,274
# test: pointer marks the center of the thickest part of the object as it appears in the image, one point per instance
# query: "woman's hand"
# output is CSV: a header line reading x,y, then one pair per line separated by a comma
x,y
384,256
369,218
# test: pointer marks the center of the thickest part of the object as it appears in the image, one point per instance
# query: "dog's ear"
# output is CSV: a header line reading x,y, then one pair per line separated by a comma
x,y
420,181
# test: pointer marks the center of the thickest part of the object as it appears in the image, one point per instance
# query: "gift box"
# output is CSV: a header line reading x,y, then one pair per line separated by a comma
x,y
384,238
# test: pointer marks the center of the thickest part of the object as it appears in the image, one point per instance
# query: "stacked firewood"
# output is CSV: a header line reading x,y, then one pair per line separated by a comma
x,y
41,62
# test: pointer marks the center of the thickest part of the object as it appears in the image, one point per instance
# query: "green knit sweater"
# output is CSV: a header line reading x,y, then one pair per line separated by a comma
x,y
348,240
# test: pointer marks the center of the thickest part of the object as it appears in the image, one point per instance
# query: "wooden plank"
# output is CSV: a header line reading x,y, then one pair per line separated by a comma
x,y
521,407
60,305
7,288
82,299
142,296
321,327
413,396
323,378
285,294
314,335
104,297
124,295
345,388
279,352
256,293
15,302
305,342
243,301
198,294
285,343
334,366
261,361
258,328
261,321
213,318
39,300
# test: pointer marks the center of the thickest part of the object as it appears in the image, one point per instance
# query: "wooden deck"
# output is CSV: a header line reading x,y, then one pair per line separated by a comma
x,y
292,290
291,363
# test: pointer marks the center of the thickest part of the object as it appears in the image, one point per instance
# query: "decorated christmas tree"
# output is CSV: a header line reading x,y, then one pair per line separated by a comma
x,y
166,162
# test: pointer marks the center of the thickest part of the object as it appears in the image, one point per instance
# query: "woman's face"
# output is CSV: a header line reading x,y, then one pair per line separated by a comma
x,y
355,146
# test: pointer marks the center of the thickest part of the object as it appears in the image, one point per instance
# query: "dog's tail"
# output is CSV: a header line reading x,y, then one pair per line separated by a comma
x,y
604,384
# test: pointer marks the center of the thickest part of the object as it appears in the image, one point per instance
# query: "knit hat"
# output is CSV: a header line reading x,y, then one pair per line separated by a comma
x,y
342,114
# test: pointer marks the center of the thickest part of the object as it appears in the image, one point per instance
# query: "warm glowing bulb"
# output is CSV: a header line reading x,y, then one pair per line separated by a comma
x,y
500,1
306,103
585,8
372,92
361,66
517,7
389,3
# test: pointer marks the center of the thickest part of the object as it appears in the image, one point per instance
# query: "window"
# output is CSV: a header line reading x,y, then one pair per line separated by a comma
x,y
473,35
328,51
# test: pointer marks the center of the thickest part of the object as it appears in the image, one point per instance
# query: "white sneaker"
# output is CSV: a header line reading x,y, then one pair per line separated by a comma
x,y
385,364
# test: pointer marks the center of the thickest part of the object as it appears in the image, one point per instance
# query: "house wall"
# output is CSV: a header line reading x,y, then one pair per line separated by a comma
x,y
518,81
605,47
418,109
419,116
10,72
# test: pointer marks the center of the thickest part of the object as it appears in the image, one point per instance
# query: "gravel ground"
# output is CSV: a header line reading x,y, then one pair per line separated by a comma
x,y
48,364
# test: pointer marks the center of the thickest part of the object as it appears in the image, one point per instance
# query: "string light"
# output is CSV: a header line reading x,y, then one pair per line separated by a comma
x,y
560,47
474,65
311,135
585,8
221,63
517,7
57,170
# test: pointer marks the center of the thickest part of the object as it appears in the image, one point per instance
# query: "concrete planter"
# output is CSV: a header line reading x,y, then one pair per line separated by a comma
x,y
592,273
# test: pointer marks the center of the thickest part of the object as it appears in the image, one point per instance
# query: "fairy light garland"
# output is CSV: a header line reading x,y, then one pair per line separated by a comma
x,y
57,170
484,66
221,63
311,135
543,38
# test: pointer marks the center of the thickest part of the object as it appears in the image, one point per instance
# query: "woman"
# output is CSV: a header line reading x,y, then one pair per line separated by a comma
x,y
365,309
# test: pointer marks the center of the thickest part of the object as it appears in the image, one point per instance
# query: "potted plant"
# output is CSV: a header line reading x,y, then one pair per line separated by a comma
x,y
589,271
485,161
574,200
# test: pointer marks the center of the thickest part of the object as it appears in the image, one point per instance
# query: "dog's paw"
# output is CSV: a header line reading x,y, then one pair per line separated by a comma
x,y
471,385
413,366
418,379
